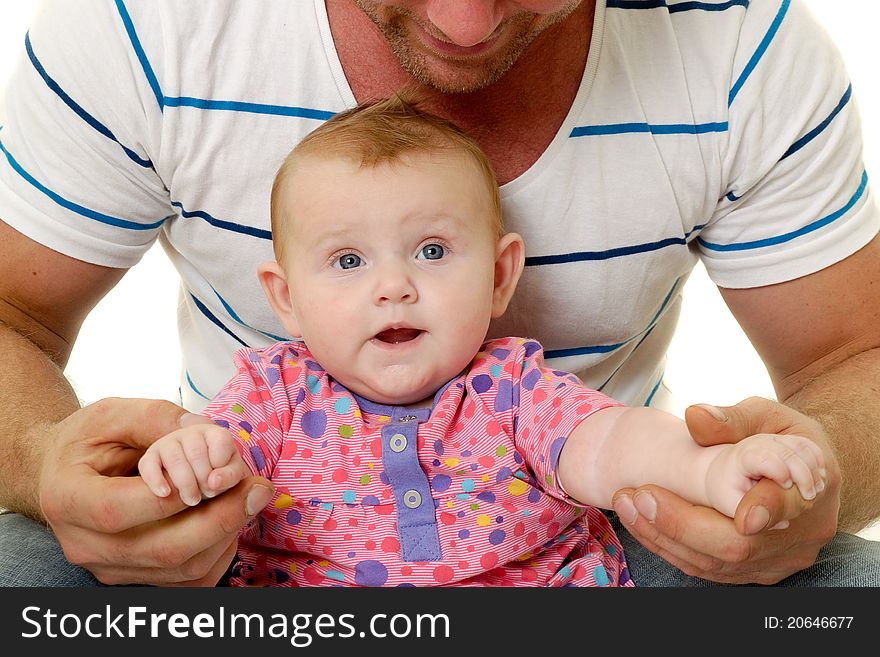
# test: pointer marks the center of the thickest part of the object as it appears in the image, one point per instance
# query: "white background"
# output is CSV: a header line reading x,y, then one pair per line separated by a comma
x,y
710,359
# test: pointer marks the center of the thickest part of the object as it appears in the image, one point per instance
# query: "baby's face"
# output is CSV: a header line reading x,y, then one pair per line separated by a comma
x,y
391,270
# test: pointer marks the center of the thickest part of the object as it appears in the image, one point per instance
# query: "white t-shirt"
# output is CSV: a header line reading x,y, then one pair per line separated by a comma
x,y
720,130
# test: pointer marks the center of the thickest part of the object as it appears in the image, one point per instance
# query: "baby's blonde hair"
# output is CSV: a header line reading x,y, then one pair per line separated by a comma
x,y
374,133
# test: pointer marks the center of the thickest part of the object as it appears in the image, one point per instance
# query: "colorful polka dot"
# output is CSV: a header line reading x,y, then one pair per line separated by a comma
x,y
482,383
496,537
531,379
258,457
342,405
443,574
600,575
370,573
441,483
489,560
283,501
504,396
517,487
313,423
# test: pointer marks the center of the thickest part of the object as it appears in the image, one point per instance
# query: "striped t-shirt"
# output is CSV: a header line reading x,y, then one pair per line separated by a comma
x,y
722,130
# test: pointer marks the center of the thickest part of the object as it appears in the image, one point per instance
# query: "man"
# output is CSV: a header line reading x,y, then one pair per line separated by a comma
x,y
627,136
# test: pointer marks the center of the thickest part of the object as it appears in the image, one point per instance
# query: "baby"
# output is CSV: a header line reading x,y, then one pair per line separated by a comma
x,y
404,449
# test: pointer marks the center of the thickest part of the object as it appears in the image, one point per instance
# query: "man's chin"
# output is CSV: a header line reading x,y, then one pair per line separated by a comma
x,y
452,76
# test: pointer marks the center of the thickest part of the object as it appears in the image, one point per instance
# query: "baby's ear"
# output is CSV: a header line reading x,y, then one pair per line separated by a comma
x,y
274,282
509,262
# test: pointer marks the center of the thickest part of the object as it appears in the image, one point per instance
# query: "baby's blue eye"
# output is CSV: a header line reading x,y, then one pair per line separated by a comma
x,y
348,261
432,252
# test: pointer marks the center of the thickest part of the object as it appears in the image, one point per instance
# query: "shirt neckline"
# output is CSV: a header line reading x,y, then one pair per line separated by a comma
x,y
562,135
401,413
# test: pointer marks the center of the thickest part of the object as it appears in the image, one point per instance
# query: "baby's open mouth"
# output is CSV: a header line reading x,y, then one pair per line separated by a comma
x,y
398,335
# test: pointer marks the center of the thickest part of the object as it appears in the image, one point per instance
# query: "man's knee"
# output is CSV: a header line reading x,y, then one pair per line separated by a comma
x,y
31,556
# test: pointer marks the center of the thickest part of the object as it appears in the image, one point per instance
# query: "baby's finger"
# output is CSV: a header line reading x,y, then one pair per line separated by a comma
x,y
180,472
150,468
776,459
225,477
761,461
195,449
221,447
804,477
811,454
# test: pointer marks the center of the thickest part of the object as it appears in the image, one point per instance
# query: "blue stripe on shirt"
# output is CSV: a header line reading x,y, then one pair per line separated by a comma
x,y
677,7
252,108
815,132
634,349
139,51
238,320
617,252
223,224
192,386
787,237
651,128
75,207
607,348
82,113
214,320
201,103
759,53
654,391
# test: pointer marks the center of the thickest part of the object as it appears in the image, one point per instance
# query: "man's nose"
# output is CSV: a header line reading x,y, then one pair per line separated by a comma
x,y
465,22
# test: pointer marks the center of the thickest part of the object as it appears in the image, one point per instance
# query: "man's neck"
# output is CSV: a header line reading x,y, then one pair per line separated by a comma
x,y
513,119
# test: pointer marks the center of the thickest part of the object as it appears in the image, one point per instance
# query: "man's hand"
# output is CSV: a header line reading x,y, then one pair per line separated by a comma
x,y
775,531
111,523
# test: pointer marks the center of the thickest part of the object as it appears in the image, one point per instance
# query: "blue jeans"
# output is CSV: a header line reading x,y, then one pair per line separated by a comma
x,y
30,556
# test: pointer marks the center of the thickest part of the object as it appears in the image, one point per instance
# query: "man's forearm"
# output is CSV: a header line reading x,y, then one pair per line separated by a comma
x,y
846,401
35,394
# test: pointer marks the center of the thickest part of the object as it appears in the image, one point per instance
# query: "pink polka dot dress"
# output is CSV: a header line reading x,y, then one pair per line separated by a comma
x,y
460,494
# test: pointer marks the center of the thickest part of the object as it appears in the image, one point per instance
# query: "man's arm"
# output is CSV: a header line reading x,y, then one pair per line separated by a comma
x,y
819,337
58,462
44,298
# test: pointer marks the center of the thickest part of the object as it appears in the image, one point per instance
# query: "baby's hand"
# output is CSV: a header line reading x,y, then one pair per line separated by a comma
x,y
200,461
787,460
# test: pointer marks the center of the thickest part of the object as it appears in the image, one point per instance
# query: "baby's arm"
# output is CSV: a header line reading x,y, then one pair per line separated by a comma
x,y
199,460
624,447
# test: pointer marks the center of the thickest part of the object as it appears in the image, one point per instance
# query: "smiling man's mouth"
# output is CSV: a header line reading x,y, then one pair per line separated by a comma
x,y
398,335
